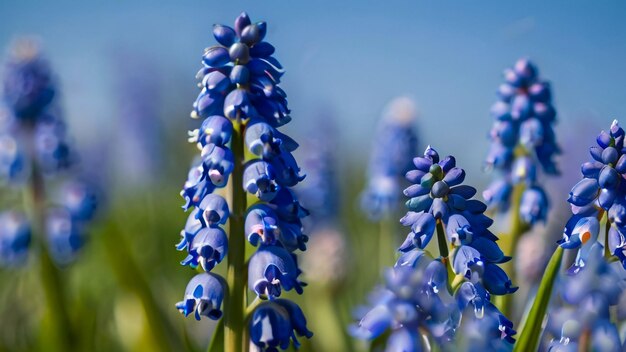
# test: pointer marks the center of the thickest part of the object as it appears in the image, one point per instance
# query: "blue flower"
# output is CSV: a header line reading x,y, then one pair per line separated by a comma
x,y
207,248
263,225
260,180
11,158
212,210
15,237
79,199
271,269
65,236
534,205
482,315
395,142
588,294
53,150
522,140
275,324
203,296
215,129
27,85
320,193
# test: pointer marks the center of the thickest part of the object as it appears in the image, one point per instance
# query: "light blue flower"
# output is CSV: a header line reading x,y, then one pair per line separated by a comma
x,y
15,238
203,296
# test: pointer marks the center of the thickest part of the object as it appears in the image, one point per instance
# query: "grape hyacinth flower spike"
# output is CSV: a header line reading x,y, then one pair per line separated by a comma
x,y
587,295
395,142
592,284
446,296
600,194
523,144
35,149
242,106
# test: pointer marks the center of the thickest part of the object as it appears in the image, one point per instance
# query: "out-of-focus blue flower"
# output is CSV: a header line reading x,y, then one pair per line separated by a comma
x,y
11,158
276,323
534,205
522,140
79,199
137,83
65,237
32,117
203,296
53,150
320,193
587,294
395,143
601,191
15,237
27,83
34,143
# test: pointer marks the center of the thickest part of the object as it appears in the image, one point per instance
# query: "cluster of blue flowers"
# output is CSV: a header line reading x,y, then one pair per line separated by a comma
x,y
394,144
35,148
583,320
522,141
593,284
417,297
239,83
601,191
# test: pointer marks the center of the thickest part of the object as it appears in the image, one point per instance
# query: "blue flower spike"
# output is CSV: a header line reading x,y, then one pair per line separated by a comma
x,y
242,106
600,192
395,142
445,298
34,146
523,142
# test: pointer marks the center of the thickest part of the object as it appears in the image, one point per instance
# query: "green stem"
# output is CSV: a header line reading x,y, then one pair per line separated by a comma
x,y
532,327
50,275
518,228
235,274
443,252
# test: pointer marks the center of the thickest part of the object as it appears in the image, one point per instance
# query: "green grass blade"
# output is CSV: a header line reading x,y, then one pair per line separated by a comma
x,y
531,328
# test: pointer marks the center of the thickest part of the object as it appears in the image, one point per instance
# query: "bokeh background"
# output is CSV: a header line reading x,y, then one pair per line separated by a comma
x,y
126,72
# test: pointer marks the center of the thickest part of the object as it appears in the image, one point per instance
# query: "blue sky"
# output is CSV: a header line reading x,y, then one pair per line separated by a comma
x,y
348,57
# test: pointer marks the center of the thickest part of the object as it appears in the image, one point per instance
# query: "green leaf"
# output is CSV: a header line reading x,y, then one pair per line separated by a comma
x,y
531,328
217,341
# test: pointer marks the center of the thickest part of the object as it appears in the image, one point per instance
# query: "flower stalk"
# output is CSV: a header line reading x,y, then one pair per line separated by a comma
x,y
234,320
49,272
